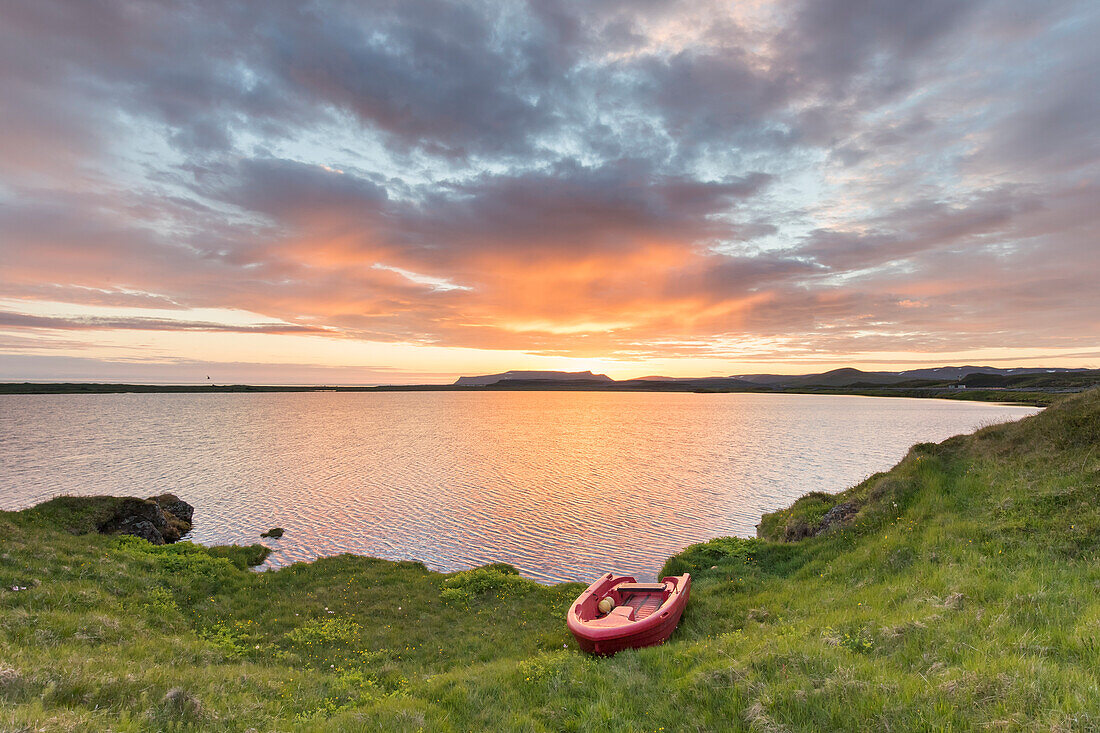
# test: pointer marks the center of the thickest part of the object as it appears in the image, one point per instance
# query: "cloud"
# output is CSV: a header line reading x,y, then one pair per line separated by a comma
x,y
918,227
53,368
24,320
557,177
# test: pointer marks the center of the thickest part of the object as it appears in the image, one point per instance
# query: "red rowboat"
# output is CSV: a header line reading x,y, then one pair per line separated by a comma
x,y
641,614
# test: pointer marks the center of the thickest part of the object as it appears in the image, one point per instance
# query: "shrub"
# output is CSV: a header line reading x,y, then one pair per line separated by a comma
x,y
325,631
231,644
468,585
720,551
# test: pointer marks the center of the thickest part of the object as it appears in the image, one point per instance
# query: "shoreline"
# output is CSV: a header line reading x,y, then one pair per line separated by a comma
x,y
846,610
264,565
1006,396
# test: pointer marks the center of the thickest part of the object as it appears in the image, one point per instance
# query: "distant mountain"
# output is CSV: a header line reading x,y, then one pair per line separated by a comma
x,y
848,376
681,384
671,379
1069,379
516,375
836,378
950,372
767,379
840,378
845,377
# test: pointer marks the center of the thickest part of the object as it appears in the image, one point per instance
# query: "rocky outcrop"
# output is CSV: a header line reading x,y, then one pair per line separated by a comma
x,y
175,506
837,515
799,528
158,519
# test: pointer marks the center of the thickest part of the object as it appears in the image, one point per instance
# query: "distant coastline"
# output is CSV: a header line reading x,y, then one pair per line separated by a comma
x,y
1023,386
1017,396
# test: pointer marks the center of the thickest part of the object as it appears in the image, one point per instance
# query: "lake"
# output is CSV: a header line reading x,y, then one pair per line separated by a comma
x,y
563,485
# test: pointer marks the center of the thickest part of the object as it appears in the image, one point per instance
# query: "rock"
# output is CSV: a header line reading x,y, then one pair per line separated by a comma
x,y
182,703
174,530
178,513
175,506
142,528
138,517
955,601
154,519
797,529
274,533
838,514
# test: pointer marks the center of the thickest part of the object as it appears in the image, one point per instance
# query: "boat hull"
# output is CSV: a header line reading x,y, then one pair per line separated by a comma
x,y
636,621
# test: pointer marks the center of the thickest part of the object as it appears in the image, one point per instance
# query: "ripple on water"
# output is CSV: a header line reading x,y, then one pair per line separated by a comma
x,y
564,485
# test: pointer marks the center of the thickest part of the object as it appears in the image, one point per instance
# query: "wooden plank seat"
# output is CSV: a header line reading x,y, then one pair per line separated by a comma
x,y
640,587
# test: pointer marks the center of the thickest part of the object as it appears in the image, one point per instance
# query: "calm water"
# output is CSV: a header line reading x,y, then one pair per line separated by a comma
x,y
564,485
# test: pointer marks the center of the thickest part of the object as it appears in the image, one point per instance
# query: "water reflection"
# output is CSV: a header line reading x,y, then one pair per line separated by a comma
x,y
562,484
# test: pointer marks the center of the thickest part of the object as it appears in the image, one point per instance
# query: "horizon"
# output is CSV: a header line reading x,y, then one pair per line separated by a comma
x,y
347,195
451,382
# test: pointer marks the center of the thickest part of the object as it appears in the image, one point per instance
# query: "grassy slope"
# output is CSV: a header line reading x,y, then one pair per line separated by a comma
x,y
1010,397
963,595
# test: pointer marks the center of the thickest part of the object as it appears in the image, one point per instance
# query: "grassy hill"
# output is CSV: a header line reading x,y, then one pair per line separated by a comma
x,y
959,592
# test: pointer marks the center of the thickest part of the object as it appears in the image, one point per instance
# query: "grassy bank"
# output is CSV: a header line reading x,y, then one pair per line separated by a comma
x,y
960,593
1006,397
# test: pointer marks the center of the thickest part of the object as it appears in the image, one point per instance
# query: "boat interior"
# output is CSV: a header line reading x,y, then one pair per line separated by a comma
x,y
642,599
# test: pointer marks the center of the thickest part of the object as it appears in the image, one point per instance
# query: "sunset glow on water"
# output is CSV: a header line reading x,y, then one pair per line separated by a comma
x,y
564,485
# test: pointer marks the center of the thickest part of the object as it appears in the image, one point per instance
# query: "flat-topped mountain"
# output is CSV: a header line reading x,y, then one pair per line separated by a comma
x,y
517,375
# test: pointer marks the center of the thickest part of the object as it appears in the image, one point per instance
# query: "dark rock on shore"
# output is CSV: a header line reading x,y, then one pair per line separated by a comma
x,y
159,519
175,506
178,513
837,515
138,517
800,527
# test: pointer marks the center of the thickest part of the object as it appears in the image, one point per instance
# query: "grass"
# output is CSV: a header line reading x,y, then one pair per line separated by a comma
x,y
962,595
1034,397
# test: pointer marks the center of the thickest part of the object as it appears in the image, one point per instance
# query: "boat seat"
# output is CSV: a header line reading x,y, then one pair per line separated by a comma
x,y
624,612
640,587
619,616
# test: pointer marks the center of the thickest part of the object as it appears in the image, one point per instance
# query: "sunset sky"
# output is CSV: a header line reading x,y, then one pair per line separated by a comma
x,y
409,190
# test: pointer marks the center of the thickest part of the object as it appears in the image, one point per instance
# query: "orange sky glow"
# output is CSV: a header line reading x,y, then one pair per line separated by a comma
x,y
407,195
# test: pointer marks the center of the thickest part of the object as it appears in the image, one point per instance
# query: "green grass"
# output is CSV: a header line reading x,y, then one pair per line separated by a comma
x,y
1035,397
963,595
